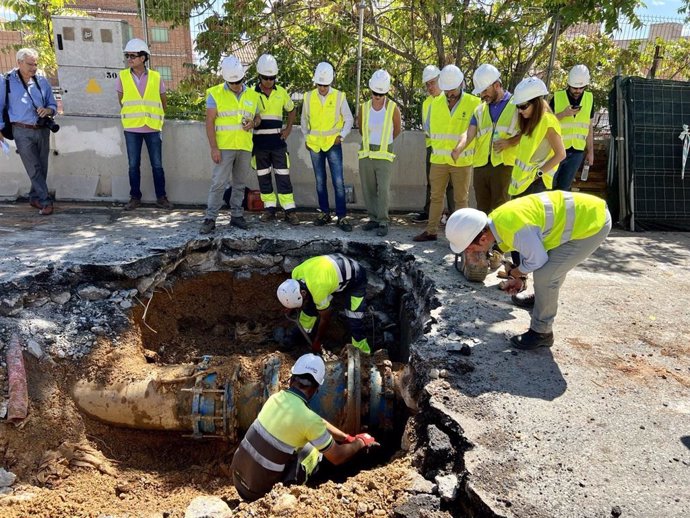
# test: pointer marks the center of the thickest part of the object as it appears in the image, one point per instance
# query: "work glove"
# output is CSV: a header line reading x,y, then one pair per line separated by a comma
x,y
350,438
367,439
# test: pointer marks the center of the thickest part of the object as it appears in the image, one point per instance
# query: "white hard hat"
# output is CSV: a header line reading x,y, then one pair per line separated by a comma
x,y
137,45
578,76
323,75
430,72
451,78
232,69
310,364
290,294
528,89
380,82
267,65
484,77
463,226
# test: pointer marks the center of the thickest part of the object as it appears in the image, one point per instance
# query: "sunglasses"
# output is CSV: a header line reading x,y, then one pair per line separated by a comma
x,y
523,107
376,94
132,56
268,78
323,86
235,83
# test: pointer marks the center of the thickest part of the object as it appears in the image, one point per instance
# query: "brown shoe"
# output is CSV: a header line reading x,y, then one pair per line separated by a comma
x,y
268,215
46,211
36,204
292,218
425,236
164,203
132,204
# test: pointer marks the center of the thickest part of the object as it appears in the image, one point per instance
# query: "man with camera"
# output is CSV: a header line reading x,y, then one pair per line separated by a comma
x,y
31,106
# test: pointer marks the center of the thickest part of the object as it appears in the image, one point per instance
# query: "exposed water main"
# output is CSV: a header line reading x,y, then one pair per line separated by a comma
x,y
218,397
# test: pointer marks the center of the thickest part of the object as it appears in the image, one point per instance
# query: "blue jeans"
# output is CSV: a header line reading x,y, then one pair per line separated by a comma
x,y
154,144
335,162
566,170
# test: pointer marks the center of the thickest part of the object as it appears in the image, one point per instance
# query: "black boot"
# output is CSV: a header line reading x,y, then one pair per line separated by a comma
x,y
532,340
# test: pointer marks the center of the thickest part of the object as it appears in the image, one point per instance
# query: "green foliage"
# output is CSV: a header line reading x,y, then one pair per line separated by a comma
x,y
188,100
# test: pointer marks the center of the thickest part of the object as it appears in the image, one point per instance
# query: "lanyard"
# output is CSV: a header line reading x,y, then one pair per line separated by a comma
x,y
38,86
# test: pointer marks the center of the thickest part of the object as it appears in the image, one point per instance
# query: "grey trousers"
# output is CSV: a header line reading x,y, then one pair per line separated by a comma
x,y
234,170
33,146
549,278
376,186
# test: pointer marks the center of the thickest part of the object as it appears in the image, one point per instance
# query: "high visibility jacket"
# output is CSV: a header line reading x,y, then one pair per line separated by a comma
x,y
325,120
426,116
445,129
267,134
561,216
284,425
526,168
576,127
382,153
325,275
231,112
138,111
487,132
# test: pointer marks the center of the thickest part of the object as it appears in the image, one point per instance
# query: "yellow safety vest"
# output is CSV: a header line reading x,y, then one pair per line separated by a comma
x,y
138,111
426,116
382,153
576,127
231,112
525,170
487,133
272,111
562,216
324,120
445,129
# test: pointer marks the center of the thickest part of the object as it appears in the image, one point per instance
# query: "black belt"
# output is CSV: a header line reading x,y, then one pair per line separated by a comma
x,y
27,126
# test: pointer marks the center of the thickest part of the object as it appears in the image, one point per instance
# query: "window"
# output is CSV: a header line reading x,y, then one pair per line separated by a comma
x,y
165,72
159,34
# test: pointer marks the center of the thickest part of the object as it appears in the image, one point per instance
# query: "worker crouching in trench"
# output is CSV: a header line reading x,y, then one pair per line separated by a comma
x,y
287,440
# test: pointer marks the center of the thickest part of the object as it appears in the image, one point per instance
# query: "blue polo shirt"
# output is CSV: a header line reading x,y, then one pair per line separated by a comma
x,y
495,109
21,108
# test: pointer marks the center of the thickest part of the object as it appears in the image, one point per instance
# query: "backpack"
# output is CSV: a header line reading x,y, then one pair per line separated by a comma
x,y
7,130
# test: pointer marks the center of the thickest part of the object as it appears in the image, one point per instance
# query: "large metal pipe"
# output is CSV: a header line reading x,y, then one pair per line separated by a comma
x,y
221,396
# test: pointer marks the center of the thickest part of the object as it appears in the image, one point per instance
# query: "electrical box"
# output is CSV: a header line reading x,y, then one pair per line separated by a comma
x,y
89,53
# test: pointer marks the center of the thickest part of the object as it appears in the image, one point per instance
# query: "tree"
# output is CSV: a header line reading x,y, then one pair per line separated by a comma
x,y
35,24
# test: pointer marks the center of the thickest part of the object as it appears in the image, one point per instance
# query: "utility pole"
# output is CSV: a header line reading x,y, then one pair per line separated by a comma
x,y
145,25
554,44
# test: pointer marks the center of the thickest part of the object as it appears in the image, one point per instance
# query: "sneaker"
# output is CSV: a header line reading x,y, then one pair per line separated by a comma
x,y
132,204
268,215
425,236
239,222
322,219
532,340
382,231
164,203
207,226
46,211
422,217
291,217
370,225
345,224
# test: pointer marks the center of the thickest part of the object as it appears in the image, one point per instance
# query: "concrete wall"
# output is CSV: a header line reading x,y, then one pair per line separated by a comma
x,y
88,162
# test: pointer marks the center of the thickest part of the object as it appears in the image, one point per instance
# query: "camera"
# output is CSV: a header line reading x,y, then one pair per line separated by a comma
x,y
48,122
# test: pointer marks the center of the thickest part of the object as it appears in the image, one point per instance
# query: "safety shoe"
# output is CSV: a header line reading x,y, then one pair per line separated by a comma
x,y
370,225
132,204
207,226
345,224
322,219
532,340
268,215
422,217
425,236
164,203
292,218
523,300
36,204
239,222
382,230
46,211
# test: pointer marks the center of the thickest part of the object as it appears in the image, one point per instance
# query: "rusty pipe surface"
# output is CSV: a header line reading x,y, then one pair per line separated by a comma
x,y
18,404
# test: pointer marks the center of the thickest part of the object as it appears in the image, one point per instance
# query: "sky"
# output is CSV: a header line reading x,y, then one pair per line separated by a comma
x,y
661,8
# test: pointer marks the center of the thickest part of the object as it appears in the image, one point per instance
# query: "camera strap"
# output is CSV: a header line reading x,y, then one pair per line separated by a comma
x,y
38,86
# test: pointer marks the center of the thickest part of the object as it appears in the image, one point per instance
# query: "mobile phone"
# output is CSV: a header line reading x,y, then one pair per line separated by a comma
x,y
576,108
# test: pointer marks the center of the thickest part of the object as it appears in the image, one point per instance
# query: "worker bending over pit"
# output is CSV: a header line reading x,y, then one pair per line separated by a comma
x,y
312,287
287,440
553,231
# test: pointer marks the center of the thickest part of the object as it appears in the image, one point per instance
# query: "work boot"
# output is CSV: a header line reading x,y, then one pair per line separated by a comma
x,y
370,225
292,218
207,226
268,215
532,340
132,204
382,230
36,204
422,217
46,211
425,236
344,224
522,300
164,203
239,222
322,219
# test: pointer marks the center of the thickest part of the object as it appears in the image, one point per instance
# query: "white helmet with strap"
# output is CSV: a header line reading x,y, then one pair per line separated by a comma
x,y
484,77
451,78
290,294
267,65
232,69
380,82
578,77
463,226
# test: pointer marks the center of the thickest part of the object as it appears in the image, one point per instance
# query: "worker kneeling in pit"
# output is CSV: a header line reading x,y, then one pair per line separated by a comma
x,y
287,440
554,231
312,287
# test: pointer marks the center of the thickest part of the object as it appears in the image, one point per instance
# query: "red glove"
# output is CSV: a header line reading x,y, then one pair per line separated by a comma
x,y
350,438
367,439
